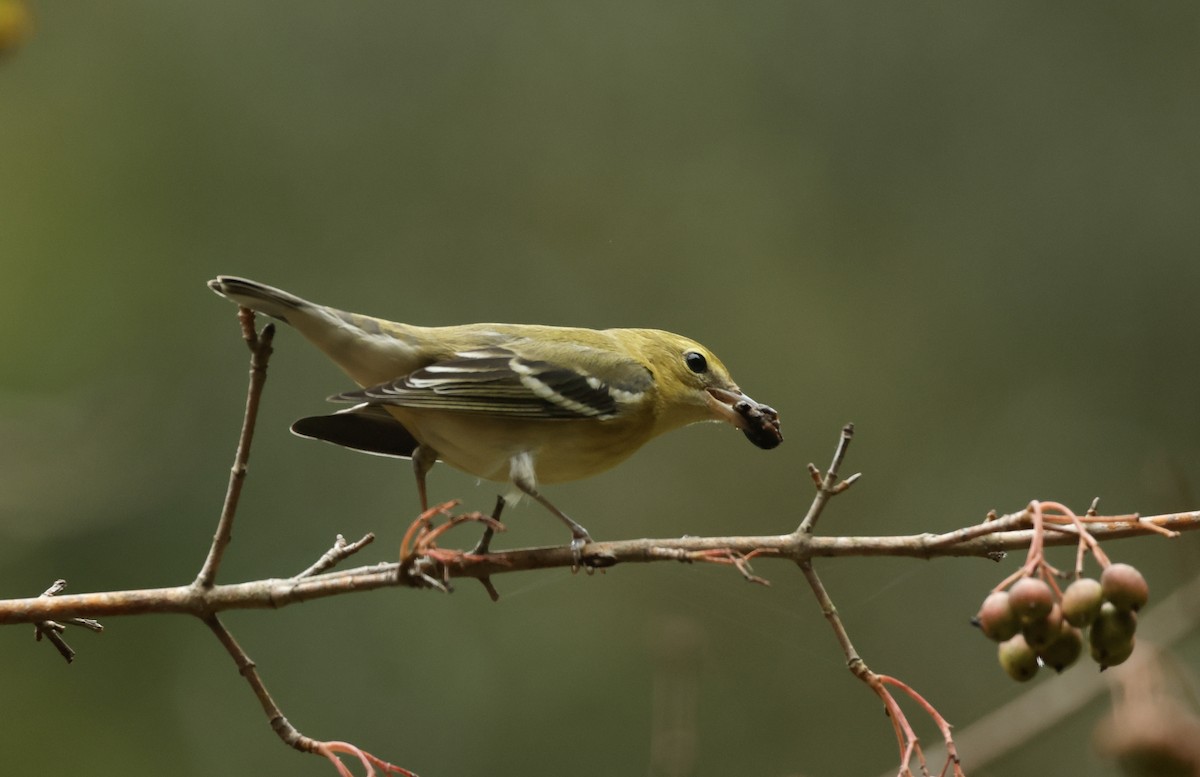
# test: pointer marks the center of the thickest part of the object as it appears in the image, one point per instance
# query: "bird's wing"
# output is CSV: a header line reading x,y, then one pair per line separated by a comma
x,y
500,382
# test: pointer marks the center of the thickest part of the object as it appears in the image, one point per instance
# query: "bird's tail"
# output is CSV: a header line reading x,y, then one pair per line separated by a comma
x,y
259,297
369,350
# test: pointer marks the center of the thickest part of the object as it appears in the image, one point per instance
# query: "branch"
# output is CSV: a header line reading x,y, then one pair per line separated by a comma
x,y
274,593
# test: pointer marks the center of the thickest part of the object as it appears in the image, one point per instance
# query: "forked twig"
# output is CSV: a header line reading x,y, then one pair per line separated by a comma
x,y
827,484
341,550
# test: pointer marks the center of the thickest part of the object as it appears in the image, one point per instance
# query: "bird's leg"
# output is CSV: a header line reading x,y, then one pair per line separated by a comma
x,y
522,475
423,459
579,535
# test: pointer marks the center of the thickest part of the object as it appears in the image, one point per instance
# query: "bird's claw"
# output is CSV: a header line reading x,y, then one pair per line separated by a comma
x,y
578,542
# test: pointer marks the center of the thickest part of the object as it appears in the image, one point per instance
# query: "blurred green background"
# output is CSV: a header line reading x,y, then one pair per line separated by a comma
x,y
972,229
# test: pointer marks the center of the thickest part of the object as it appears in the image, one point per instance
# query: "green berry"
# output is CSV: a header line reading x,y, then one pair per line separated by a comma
x,y
1112,624
1064,649
1111,654
1018,659
1111,637
1081,602
1040,633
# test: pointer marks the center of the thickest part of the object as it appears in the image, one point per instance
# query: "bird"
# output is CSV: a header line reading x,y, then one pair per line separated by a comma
x,y
512,403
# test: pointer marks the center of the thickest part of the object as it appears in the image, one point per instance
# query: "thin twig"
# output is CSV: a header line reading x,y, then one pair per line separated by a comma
x,y
248,670
52,631
340,551
906,739
290,735
952,759
260,354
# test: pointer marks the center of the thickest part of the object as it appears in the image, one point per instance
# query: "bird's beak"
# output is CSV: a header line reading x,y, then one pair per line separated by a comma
x,y
760,423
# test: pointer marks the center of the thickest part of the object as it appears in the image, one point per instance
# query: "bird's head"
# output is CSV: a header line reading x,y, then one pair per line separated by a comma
x,y
693,385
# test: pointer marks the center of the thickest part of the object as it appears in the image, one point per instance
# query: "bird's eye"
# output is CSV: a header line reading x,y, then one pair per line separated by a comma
x,y
695,361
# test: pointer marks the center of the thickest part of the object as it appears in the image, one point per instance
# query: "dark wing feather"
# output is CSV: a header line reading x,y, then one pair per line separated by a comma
x,y
497,381
367,428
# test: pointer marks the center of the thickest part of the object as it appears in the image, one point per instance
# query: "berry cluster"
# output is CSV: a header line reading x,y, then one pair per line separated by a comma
x,y
1038,625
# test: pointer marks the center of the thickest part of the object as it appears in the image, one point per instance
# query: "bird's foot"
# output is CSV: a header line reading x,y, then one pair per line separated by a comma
x,y
579,539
